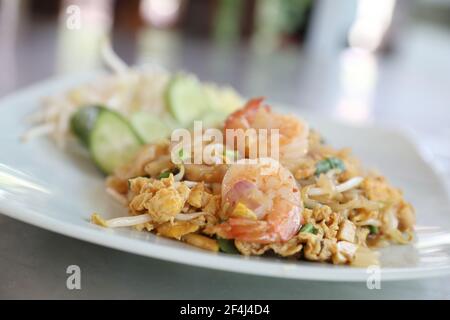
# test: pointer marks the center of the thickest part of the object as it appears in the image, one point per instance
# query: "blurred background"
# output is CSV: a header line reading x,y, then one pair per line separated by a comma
x,y
360,61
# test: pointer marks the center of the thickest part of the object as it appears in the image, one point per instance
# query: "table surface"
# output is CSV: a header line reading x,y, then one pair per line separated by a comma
x,y
33,261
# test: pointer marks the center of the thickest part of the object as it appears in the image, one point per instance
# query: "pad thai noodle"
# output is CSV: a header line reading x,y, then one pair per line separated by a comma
x,y
317,203
311,202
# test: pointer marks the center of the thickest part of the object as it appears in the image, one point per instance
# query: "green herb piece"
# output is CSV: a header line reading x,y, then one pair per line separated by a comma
x,y
164,175
309,228
328,164
181,154
227,246
373,229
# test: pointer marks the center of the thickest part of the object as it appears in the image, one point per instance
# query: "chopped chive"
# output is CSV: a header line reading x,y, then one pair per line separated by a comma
x,y
328,164
373,229
164,175
227,245
309,228
322,167
180,153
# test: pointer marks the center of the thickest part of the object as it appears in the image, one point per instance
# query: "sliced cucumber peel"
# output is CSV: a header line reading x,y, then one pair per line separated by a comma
x,y
111,140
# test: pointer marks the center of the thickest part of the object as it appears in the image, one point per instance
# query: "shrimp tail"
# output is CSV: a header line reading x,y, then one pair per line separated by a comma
x,y
261,231
248,112
254,103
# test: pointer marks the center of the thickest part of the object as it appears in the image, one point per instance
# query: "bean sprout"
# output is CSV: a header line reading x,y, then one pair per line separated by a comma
x,y
180,174
37,131
128,221
347,185
188,216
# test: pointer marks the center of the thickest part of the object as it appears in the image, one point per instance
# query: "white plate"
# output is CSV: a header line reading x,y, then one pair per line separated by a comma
x,y
44,186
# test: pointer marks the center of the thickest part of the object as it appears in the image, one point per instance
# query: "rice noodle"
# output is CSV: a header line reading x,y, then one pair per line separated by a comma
x,y
340,213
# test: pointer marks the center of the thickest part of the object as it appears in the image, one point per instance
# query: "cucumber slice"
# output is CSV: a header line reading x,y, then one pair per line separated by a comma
x,y
83,121
149,127
214,119
110,139
186,99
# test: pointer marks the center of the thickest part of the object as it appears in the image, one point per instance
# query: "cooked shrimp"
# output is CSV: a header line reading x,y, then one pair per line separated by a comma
x,y
261,203
293,132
